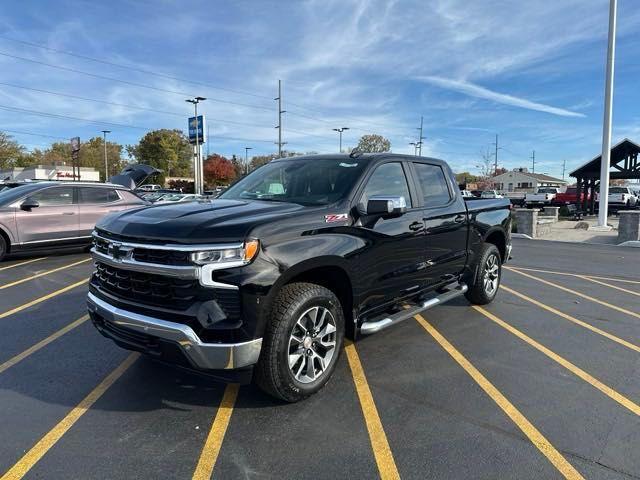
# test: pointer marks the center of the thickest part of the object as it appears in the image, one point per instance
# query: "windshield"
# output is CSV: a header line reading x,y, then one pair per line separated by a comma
x,y
547,190
618,190
9,195
309,181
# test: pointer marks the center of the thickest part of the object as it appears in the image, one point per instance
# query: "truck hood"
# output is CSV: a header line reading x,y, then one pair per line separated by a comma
x,y
195,222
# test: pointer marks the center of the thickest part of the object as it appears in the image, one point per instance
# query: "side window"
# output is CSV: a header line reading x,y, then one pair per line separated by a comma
x,y
434,185
54,196
387,179
92,195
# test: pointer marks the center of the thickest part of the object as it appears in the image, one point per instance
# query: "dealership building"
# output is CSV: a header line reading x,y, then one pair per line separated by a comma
x,y
521,180
49,172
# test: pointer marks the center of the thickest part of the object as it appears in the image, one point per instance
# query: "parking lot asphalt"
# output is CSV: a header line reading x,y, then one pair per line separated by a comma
x,y
542,383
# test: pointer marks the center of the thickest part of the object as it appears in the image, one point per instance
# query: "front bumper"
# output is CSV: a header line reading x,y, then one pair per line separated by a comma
x,y
141,332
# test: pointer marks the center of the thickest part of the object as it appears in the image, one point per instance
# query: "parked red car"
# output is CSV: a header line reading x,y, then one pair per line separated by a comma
x,y
569,197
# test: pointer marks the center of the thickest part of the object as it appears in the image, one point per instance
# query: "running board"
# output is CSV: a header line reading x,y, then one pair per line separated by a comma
x,y
368,328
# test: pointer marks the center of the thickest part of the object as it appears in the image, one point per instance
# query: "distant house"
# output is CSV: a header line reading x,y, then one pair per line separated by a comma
x,y
521,180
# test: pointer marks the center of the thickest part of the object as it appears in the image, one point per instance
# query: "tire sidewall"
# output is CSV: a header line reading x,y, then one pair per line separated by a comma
x,y
489,251
3,248
323,298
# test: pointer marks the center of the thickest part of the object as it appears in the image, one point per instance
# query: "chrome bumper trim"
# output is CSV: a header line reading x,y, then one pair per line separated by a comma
x,y
208,356
175,271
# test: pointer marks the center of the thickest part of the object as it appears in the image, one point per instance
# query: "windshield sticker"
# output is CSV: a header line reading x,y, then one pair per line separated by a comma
x,y
336,217
348,165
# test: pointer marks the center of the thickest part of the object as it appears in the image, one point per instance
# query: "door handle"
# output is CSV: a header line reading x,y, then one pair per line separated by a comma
x,y
415,226
68,213
459,218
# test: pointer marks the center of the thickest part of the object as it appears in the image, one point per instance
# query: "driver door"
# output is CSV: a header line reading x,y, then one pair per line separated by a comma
x,y
393,265
55,218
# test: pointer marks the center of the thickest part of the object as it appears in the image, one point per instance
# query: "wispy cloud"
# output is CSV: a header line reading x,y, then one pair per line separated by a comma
x,y
477,91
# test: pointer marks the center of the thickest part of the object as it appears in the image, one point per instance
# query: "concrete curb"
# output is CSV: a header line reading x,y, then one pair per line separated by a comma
x,y
521,235
630,243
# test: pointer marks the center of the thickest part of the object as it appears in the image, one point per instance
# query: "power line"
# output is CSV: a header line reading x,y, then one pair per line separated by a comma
x,y
134,69
21,132
127,82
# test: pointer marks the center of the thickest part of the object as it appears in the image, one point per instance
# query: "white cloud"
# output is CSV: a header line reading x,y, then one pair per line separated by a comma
x,y
477,91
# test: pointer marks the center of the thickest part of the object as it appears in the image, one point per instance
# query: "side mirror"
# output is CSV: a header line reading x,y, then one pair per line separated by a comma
x,y
28,204
386,205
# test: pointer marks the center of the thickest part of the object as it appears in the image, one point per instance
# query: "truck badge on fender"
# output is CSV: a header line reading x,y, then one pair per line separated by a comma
x,y
335,217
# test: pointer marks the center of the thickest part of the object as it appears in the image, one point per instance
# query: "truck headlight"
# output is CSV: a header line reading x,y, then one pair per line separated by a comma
x,y
227,256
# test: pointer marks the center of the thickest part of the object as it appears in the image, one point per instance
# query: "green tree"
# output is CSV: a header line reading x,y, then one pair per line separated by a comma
x,y
10,150
92,155
166,150
259,160
466,177
373,143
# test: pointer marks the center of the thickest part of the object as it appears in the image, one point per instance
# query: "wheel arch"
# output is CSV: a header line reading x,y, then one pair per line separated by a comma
x,y
498,238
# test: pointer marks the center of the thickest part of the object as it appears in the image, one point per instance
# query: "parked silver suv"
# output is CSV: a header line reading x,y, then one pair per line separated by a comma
x,y
46,215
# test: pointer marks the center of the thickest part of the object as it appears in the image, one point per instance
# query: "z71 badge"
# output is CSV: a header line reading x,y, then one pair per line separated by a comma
x,y
336,217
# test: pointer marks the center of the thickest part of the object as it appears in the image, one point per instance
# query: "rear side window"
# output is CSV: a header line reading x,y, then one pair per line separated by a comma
x,y
433,182
95,195
54,196
387,179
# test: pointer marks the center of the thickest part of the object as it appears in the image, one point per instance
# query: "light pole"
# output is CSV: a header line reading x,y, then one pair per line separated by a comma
x,y
340,130
197,169
415,148
106,165
606,124
246,159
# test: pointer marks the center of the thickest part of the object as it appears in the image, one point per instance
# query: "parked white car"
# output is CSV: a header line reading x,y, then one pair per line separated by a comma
x,y
622,197
490,194
544,196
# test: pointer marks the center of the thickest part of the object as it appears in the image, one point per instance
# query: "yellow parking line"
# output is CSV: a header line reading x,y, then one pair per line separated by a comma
x,y
611,279
572,319
579,294
41,344
22,263
625,290
33,456
381,450
532,433
42,299
41,274
608,391
211,448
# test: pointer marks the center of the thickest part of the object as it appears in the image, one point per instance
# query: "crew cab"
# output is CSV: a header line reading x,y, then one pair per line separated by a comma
x,y
544,196
266,281
570,197
622,197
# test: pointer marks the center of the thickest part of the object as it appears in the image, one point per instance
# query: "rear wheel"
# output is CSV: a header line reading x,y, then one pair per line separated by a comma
x,y
302,342
3,248
487,278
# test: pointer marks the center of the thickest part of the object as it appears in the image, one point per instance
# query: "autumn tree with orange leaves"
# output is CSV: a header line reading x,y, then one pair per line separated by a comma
x,y
218,170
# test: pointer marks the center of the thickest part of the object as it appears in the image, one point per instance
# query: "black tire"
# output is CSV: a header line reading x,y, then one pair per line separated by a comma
x,y
273,374
3,248
479,293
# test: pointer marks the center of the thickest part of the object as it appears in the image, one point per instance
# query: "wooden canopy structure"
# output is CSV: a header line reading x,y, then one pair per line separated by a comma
x,y
625,165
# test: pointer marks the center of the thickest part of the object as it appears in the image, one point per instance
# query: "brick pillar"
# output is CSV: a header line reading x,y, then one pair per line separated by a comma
x,y
527,221
629,226
551,212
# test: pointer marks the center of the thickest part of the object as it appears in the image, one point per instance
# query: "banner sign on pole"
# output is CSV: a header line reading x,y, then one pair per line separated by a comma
x,y
196,128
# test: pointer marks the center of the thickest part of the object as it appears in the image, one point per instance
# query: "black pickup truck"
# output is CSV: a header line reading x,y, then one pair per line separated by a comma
x,y
266,281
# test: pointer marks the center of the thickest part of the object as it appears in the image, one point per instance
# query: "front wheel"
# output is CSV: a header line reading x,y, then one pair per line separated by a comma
x,y
302,342
487,277
3,248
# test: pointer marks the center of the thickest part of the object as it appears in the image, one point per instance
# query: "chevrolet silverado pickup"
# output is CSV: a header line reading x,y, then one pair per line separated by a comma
x,y
265,282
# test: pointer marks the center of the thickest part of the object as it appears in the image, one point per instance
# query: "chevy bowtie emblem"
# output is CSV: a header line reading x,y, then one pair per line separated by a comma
x,y
117,251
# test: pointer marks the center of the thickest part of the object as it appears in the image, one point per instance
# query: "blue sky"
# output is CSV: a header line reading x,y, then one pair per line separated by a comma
x,y
533,72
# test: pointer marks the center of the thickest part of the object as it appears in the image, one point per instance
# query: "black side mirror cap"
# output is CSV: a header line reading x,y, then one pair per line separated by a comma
x,y
386,206
28,204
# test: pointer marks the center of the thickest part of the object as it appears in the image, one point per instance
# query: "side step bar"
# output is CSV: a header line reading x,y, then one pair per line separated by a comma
x,y
368,328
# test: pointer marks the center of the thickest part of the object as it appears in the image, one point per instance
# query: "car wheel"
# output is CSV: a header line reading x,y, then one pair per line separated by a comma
x,y
302,342
487,277
3,248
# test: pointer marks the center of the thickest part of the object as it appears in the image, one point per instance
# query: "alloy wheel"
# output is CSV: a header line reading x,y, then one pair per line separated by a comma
x,y
491,275
312,344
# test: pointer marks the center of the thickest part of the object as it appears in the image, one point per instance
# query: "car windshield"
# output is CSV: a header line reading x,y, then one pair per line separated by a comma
x,y
306,181
9,195
618,190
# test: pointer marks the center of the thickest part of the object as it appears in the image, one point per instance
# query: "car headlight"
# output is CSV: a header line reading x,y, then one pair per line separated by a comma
x,y
227,257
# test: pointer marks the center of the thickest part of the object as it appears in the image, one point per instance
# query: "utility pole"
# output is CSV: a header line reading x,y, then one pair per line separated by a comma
x,y
208,140
608,114
340,130
533,161
420,138
197,168
495,164
246,159
564,168
106,165
280,112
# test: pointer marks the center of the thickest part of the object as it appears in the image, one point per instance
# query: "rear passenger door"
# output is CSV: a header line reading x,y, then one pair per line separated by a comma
x,y
93,204
446,225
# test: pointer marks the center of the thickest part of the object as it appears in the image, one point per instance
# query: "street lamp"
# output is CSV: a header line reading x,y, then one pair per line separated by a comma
x,y
197,168
106,165
340,130
246,159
